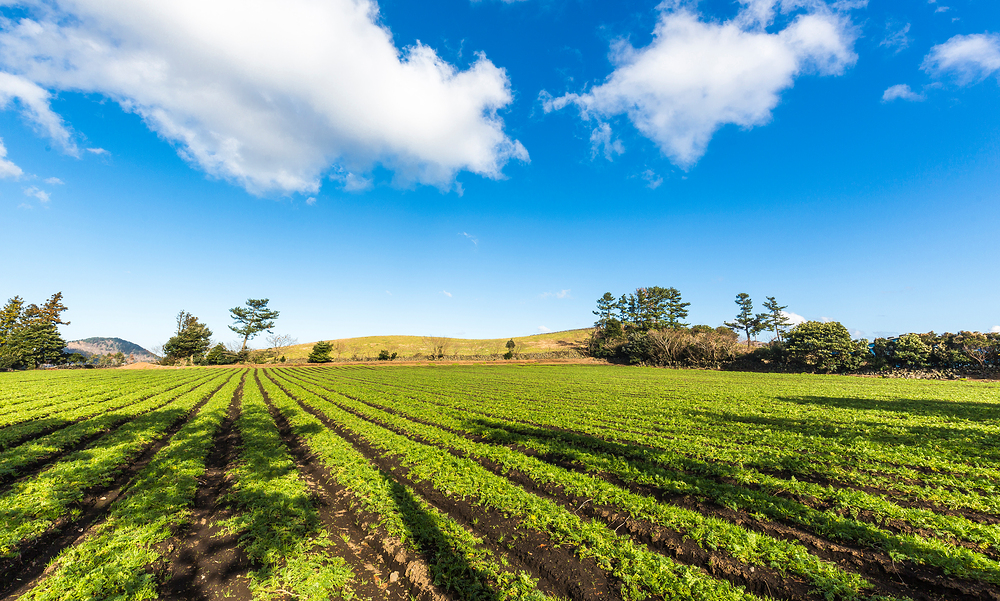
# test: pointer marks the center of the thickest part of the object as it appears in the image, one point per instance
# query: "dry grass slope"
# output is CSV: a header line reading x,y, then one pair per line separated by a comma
x,y
409,346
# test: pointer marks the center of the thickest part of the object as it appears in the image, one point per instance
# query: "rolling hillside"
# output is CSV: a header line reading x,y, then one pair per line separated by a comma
x,y
409,346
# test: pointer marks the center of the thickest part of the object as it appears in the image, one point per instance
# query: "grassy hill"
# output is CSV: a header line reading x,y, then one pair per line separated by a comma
x,y
109,346
409,346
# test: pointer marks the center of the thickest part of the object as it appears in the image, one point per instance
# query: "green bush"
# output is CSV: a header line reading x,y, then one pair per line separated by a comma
x,y
321,353
824,347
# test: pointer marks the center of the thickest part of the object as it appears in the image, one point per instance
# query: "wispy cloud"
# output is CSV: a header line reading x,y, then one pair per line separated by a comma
x,y
995,329
54,181
98,151
653,181
311,201
896,37
543,330
602,142
446,293
37,193
473,239
561,294
966,58
35,105
901,92
7,168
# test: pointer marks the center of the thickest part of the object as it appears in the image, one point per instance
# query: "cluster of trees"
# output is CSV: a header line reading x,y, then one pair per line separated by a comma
x,y
192,340
647,327
29,334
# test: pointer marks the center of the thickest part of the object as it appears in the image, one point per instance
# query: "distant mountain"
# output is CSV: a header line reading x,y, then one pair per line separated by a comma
x,y
105,346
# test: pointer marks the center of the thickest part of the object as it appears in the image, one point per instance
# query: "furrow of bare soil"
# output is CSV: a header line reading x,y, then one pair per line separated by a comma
x,y
203,562
18,574
672,543
31,469
888,577
385,569
558,570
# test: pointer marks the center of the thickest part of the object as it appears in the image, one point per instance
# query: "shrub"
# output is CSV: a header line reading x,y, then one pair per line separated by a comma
x,y
824,347
321,353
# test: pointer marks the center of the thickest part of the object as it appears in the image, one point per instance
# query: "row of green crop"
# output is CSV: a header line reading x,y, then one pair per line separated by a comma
x,y
56,391
278,525
458,560
712,534
104,418
33,505
810,437
16,434
30,384
757,496
642,572
970,491
114,561
74,397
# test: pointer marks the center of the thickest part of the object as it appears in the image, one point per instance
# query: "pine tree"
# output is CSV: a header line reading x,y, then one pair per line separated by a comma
x,y
320,353
253,319
775,319
745,319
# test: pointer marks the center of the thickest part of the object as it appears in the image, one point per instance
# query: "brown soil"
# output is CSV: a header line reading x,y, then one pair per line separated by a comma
x,y
205,563
890,578
558,570
386,569
29,561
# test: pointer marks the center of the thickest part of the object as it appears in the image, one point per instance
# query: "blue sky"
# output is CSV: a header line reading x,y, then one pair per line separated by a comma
x,y
488,169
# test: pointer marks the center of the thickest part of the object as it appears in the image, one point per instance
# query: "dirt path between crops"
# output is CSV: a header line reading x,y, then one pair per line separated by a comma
x,y
890,578
558,570
385,570
206,563
19,574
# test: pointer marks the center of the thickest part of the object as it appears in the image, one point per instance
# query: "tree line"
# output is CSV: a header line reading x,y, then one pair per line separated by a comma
x,y
29,334
646,327
192,340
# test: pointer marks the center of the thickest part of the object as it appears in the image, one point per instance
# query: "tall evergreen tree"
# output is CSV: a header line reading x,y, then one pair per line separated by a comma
x,y
745,319
775,319
192,338
252,319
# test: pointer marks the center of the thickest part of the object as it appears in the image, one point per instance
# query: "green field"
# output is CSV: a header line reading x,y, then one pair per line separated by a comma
x,y
496,482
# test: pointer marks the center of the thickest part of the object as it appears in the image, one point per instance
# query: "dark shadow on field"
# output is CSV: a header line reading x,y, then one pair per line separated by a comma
x,y
449,567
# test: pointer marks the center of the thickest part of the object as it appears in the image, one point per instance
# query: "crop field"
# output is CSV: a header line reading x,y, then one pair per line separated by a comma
x,y
489,482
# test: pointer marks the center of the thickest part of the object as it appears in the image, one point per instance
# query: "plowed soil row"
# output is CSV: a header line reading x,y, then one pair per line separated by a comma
x,y
206,563
385,569
889,578
30,469
18,574
558,570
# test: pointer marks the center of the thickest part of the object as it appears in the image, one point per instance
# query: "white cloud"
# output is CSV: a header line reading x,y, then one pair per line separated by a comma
x,y
35,192
697,76
272,94
446,293
901,91
98,151
995,329
473,239
653,181
561,294
311,201
543,330
794,318
54,181
966,58
7,168
34,101
601,142
356,183
896,37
